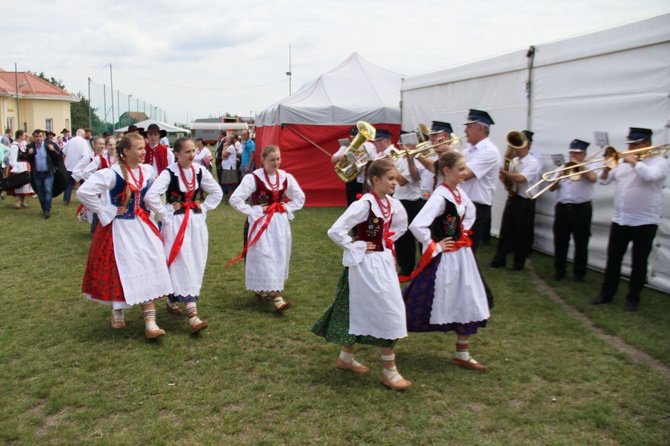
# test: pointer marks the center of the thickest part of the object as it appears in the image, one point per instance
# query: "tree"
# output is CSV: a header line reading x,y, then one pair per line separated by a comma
x,y
79,116
58,83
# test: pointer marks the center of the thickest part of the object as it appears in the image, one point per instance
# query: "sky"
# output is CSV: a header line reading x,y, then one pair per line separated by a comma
x,y
200,58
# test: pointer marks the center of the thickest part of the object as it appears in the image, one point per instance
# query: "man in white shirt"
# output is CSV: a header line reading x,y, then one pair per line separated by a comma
x,y
572,214
75,149
516,228
637,213
483,165
355,187
408,191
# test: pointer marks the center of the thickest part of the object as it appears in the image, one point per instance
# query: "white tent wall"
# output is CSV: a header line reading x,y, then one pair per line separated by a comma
x,y
605,81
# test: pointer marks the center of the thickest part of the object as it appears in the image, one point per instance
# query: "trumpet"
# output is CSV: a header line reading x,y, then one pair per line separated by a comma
x,y
610,160
355,158
454,142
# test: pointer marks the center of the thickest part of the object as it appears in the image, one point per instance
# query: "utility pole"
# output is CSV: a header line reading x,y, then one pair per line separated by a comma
x,y
289,73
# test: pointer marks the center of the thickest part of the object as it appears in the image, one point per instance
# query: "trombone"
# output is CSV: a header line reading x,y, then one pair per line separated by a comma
x,y
611,159
455,142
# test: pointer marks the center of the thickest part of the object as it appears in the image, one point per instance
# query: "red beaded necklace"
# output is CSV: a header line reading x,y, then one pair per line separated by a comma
x,y
190,186
136,182
275,186
385,208
455,193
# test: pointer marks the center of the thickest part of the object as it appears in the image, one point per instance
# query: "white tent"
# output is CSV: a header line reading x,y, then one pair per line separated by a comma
x,y
604,81
353,91
307,124
163,125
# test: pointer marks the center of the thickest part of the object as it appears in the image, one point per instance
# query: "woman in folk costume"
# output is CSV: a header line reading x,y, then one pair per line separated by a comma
x,y
83,214
275,196
18,162
368,307
446,292
126,263
184,229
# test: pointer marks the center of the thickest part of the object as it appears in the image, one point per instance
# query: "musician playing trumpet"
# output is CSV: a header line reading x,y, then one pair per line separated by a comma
x,y
353,188
516,229
439,131
637,213
572,214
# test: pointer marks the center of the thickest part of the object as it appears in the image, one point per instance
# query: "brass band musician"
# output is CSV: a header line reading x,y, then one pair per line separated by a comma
x,y
572,215
516,229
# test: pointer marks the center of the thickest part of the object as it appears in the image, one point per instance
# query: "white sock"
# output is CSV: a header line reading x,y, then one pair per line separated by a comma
x,y
118,315
278,301
346,357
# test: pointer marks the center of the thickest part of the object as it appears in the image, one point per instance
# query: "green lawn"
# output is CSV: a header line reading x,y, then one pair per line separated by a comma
x,y
255,377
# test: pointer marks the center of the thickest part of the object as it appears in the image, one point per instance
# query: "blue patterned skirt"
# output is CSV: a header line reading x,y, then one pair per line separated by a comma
x,y
418,297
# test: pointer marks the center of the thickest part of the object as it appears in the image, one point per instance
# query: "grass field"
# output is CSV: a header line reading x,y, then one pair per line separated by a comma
x,y
258,378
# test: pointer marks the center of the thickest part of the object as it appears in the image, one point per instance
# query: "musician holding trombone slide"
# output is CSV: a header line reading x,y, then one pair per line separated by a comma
x,y
638,181
573,212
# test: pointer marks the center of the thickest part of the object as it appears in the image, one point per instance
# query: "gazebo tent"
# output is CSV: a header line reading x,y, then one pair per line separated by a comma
x,y
307,125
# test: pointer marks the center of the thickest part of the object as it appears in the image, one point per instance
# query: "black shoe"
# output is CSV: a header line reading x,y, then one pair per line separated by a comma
x,y
497,263
579,279
601,300
630,306
517,267
558,276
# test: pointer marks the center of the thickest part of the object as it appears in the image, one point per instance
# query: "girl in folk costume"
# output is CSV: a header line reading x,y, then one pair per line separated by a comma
x,y
275,196
82,213
126,264
368,307
447,293
18,162
184,229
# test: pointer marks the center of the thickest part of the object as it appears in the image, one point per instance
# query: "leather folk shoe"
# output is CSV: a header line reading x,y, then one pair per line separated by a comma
x,y
352,365
199,326
173,308
470,364
155,333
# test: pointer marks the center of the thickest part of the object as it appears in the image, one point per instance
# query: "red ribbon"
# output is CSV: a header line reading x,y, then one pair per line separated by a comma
x,y
139,212
464,242
79,208
274,207
179,240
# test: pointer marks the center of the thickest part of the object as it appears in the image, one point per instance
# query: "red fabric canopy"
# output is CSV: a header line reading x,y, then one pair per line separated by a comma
x,y
306,151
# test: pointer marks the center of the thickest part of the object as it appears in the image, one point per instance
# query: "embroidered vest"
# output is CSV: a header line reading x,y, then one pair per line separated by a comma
x,y
264,195
160,153
175,195
116,195
372,230
446,225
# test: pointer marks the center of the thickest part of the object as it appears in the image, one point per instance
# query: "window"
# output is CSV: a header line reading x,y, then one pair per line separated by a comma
x,y
49,125
67,124
10,125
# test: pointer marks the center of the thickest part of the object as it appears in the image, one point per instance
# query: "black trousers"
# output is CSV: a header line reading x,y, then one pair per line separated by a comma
x,y
482,225
516,230
405,246
572,220
620,236
353,188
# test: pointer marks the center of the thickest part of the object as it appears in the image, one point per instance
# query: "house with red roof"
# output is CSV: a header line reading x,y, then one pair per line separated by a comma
x,y
28,103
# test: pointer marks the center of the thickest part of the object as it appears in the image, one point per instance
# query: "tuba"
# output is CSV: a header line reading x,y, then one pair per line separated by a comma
x,y
355,157
515,140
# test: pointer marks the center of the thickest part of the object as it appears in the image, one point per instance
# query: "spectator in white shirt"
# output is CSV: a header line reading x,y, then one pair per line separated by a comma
x,y
637,211
75,149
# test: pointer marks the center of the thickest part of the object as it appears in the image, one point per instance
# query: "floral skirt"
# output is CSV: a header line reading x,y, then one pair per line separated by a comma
x,y
418,298
333,325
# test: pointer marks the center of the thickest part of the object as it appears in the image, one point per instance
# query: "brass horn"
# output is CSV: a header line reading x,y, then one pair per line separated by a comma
x,y
454,142
355,157
515,140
